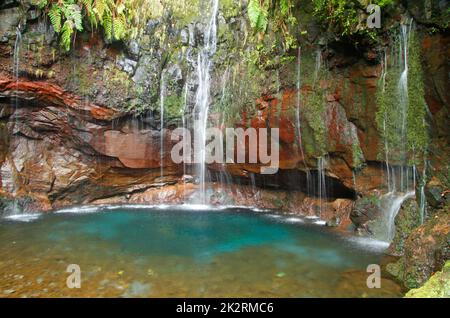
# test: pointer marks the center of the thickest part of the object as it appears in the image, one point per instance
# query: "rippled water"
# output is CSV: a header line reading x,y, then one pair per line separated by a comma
x,y
174,252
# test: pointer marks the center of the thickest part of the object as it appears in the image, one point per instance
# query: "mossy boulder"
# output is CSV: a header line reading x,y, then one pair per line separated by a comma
x,y
426,250
438,286
435,192
365,213
407,219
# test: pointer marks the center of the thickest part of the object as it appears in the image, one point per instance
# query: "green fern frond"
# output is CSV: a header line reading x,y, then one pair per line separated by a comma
x,y
74,14
119,27
107,26
66,35
285,7
257,15
100,8
54,15
41,4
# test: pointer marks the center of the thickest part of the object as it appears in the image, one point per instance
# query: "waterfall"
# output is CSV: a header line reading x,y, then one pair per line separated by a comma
x,y
184,122
162,93
16,57
422,198
202,99
15,101
298,117
391,203
321,182
401,177
386,145
402,87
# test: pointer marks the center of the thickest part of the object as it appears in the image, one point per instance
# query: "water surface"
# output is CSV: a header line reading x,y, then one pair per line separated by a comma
x,y
177,252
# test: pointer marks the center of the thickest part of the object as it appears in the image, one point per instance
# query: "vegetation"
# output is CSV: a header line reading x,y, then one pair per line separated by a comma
x,y
410,144
278,12
346,18
119,19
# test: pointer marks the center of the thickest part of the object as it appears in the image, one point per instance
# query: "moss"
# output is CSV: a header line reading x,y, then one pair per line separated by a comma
x,y
411,145
347,18
314,113
417,133
407,219
396,269
230,8
438,286
358,156
174,106
278,203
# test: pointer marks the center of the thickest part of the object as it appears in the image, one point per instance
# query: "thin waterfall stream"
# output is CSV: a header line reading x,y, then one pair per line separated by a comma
x,y
202,99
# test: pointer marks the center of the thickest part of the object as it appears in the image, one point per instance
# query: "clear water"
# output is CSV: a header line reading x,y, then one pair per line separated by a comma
x,y
180,253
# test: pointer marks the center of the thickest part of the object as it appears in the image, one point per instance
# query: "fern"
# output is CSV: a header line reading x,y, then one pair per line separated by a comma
x,y
285,7
100,8
66,34
120,19
74,14
107,26
257,15
119,27
54,15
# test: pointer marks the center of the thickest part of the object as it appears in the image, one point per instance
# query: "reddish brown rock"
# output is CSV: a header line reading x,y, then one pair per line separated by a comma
x,y
52,94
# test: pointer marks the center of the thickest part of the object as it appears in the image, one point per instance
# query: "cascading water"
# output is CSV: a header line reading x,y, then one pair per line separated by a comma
x,y
403,105
401,178
422,198
16,68
202,100
321,182
162,93
298,117
318,65
391,203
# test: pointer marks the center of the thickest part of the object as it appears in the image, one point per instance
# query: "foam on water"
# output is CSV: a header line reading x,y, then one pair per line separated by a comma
x,y
26,217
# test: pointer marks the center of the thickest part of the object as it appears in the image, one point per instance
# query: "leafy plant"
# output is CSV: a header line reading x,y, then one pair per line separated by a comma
x,y
120,19
343,16
258,14
278,13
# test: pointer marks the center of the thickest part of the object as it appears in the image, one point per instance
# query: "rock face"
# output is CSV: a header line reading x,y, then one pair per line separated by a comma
x,y
407,219
67,151
365,214
86,126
